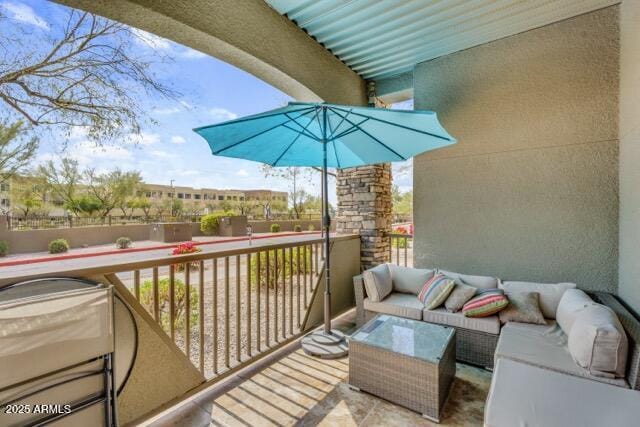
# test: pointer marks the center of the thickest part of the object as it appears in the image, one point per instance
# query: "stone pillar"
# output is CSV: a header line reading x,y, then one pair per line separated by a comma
x,y
364,208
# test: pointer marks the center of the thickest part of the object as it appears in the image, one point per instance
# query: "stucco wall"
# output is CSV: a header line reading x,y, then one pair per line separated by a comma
x,y
530,192
629,286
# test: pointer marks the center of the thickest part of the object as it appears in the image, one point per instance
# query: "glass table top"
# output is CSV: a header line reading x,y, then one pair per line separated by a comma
x,y
412,338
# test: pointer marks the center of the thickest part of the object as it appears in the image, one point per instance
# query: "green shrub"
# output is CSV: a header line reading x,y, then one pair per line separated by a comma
x,y
311,227
297,228
275,228
400,242
4,248
123,242
146,299
284,268
58,246
209,223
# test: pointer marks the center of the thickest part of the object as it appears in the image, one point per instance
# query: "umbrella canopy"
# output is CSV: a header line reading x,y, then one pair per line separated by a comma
x,y
327,135
355,136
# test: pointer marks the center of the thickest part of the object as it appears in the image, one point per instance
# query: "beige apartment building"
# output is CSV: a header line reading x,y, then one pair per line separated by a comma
x,y
194,201
206,200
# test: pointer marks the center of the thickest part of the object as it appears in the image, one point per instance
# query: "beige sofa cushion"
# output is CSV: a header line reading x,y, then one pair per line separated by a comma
x,y
409,280
397,304
598,342
573,301
459,296
377,282
545,347
523,395
480,282
441,316
550,293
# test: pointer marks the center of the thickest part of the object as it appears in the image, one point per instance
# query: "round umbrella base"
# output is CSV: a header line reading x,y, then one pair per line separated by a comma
x,y
325,346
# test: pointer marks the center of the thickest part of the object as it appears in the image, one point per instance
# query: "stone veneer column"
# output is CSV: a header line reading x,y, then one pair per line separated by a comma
x,y
364,208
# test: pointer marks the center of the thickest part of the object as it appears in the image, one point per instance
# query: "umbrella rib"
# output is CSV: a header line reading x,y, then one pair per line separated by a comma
x,y
335,152
247,119
348,131
253,136
374,138
394,124
294,141
310,135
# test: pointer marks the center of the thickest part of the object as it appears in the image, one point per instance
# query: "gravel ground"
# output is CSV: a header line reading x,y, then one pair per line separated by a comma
x,y
238,312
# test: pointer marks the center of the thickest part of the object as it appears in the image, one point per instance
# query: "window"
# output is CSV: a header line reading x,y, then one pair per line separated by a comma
x,y
187,195
148,194
4,202
228,197
220,197
235,197
170,195
180,196
197,196
4,186
241,198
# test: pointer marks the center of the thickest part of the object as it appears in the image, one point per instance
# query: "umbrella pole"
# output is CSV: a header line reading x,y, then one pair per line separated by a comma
x,y
326,343
326,224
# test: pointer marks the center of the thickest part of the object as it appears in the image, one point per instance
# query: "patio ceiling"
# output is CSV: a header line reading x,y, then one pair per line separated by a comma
x,y
381,39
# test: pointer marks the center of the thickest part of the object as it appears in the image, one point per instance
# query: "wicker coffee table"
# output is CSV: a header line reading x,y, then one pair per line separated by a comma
x,y
407,362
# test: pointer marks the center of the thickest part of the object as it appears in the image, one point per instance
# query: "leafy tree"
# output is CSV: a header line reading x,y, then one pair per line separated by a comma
x,y
112,189
402,202
85,73
176,207
293,176
28,195
86,204
63,179
16,149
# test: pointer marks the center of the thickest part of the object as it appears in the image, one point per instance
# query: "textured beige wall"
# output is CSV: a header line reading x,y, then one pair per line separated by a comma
x,y
245,33
629,286
530,192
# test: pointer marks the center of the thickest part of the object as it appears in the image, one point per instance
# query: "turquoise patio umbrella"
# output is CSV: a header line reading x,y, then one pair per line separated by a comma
x,y
327,136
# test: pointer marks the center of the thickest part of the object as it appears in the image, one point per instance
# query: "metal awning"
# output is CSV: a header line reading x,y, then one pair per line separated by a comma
x,y
384,38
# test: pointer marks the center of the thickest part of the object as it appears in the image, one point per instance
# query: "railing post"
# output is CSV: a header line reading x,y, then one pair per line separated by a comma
x,y
109,220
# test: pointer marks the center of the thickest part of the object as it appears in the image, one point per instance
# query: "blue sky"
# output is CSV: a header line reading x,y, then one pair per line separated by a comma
x,y
211,91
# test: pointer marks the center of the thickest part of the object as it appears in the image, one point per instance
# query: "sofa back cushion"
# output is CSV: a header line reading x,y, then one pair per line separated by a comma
x,y
409,280
550,293
598,342
480,282
573,301
377,282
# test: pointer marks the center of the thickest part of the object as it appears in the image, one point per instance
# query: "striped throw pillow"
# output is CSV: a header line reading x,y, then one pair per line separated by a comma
x,y
435,291
486,303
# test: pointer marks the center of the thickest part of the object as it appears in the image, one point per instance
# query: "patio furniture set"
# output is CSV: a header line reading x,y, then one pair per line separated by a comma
x,y
559,356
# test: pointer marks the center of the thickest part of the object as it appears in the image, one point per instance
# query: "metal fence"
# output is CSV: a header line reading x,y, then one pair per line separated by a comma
x,y
401,249
48,222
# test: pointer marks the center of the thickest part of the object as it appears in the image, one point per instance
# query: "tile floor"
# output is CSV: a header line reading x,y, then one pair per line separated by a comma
x,y
295,389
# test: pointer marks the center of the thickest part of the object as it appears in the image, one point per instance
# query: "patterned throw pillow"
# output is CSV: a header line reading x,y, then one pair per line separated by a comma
x,y
486,303
435,291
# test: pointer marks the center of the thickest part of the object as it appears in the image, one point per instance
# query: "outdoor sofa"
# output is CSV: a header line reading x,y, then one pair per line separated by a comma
x,y
535,378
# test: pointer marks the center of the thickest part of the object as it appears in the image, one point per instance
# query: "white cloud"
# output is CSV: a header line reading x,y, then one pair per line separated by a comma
x,y
177,139
242,172
87,152
161,154
222,114
143,138
24,13
192,54
152,41
188,172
